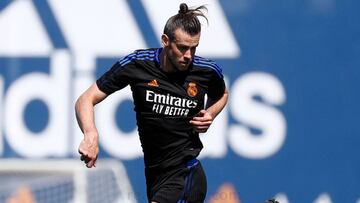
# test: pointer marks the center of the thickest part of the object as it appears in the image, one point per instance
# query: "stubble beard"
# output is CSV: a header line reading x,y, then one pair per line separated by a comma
x,y
177,66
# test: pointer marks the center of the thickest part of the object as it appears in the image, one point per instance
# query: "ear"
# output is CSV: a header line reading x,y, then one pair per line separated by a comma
x,y
165,40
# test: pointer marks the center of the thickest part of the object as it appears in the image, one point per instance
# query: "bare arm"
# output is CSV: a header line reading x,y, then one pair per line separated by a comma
x,y
215,107
205,117
84,108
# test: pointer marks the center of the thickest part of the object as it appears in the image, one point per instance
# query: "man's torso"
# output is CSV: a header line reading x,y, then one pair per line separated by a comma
x,y
164,103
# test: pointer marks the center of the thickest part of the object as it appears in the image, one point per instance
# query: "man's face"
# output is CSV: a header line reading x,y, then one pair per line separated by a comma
x,y
181,50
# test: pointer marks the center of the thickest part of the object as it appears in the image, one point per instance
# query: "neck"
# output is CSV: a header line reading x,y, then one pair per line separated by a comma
x,y
165,63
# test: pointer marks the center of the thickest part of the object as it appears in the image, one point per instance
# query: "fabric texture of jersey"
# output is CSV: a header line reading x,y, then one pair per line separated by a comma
x,y
165,103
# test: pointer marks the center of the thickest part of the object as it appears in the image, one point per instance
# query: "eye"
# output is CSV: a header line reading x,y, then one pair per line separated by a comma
x,y
183,48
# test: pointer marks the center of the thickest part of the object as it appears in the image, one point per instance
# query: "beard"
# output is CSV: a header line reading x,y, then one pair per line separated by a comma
x,y
177,65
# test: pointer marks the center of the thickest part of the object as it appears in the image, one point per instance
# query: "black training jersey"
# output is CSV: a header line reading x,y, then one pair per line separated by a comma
x,y
165,103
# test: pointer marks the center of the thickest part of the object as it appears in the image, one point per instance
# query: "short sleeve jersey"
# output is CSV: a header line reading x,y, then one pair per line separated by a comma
x,y
165,103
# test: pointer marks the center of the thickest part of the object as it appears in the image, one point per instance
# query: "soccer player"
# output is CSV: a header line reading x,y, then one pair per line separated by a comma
x,y
169,85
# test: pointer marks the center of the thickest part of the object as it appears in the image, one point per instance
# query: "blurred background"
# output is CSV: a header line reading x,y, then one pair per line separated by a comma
x,y
290,130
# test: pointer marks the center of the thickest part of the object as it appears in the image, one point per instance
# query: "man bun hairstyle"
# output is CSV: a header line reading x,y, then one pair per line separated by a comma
x,y
186,19
183,8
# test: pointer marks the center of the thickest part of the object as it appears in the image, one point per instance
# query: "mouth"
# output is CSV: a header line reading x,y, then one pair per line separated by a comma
x,y
184,63
183,66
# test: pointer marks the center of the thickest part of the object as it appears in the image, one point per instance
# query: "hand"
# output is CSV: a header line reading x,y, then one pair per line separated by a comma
x,y
202,121
89,150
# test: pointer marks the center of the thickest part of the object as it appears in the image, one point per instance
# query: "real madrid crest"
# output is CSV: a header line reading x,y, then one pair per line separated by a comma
x,y
192,89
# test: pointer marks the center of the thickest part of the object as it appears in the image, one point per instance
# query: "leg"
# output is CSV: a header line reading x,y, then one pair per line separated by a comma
x,y
196,185
166,186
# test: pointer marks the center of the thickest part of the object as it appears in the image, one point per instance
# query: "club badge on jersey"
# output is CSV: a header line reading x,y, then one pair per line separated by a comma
x,y
192,89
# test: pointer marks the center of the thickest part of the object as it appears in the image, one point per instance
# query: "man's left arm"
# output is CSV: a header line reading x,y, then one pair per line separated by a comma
x,y
204,119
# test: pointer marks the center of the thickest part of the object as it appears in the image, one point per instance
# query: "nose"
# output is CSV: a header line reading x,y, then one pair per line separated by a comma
x,y
187,54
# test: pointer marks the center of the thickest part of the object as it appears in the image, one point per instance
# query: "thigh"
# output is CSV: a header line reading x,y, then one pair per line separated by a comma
x,y
195,185
199,186
187,184
167,187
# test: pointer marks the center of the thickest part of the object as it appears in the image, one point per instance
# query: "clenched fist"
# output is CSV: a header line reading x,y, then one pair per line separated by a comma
x,y
89,150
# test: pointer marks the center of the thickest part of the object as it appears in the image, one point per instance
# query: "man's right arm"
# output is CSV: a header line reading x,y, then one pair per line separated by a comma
x,y
84,108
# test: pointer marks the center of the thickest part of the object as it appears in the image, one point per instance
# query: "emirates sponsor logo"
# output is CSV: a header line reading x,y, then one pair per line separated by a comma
x,y
169,105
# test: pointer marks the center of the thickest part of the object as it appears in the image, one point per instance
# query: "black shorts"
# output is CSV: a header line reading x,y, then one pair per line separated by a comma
x,y
181,184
